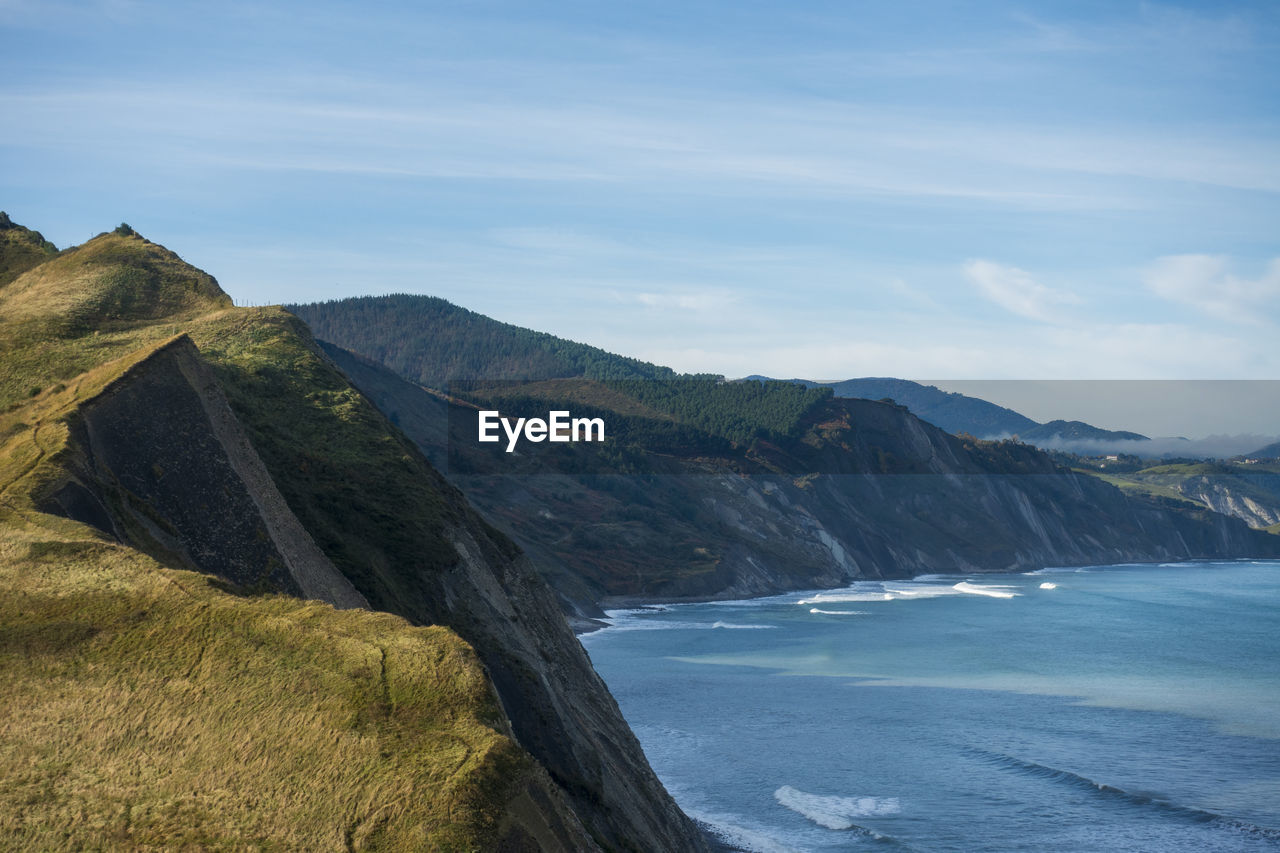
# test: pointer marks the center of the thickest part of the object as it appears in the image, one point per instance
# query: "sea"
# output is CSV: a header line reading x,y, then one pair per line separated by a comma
x,y
1087,708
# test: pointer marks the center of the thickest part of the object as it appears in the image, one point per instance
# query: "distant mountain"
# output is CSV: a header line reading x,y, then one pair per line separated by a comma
x,y
1271,451
953,412
708,488
1073,432
958,413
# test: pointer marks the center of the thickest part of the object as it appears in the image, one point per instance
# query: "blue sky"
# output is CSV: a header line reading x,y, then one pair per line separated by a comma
x,y
969,191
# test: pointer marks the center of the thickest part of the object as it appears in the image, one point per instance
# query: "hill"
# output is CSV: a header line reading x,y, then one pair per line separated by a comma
x,y
20,249
670,507
1271,451
1248,491
1055,433
463,345
439,345
958,413
177,477
955,413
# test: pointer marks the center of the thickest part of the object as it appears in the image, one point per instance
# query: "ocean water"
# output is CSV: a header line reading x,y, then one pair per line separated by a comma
x,y
1116,708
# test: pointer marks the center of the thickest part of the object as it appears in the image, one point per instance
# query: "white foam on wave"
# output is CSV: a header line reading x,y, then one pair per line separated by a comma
x,y
1063,570
627,612
989,591
835,812
922,591
840,612
665,625
871,591
836,597
1047,585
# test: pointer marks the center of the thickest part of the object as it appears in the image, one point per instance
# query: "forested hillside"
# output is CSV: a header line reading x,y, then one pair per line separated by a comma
x,y
439,345
433,342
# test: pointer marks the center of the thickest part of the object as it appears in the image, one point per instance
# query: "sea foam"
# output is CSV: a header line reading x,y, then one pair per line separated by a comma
x,y
836,812
990,591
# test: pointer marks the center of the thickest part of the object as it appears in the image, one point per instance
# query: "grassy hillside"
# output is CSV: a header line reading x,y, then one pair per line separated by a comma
x,y
145,706
145,709
78,309
1249,492
122,364
20,249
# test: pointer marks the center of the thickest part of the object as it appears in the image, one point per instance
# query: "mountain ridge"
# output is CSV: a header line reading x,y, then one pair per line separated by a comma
x,y
857,489
140,433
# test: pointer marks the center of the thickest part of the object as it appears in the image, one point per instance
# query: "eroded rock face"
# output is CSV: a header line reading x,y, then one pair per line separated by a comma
x,y
880,494
163,465
560,710
1223,498
160,462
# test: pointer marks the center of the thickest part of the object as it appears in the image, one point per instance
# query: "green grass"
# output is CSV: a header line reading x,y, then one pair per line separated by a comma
x,y
365,493
1127,484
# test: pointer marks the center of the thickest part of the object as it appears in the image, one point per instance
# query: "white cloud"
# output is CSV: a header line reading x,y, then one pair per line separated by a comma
x,y
1016,291
1206,283
703,301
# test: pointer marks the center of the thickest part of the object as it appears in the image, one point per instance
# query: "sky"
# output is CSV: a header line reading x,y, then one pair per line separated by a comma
x,y
1036,190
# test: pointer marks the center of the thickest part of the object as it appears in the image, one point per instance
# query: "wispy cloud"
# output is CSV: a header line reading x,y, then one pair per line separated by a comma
x,y
1207,283
709,300
1016,291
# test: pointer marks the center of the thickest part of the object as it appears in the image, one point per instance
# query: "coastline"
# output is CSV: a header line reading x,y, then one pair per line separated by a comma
x,y
584,625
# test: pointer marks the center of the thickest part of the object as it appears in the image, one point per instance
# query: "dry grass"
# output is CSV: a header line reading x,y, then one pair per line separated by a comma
x,y
145,708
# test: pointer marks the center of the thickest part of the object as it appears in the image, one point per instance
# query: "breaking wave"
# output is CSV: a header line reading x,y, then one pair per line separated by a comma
x,y
837,812
990,591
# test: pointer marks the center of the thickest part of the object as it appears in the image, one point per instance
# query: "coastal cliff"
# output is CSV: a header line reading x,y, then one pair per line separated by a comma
x,y
858,489
207,468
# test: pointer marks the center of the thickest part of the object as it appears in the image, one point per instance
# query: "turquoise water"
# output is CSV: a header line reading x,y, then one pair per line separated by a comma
x,y
1132,707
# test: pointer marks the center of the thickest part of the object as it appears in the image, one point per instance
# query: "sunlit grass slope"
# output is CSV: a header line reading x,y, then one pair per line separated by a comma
x,y
143,707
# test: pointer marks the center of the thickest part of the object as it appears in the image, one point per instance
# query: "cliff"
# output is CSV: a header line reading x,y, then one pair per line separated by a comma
x,y
861,489
152,432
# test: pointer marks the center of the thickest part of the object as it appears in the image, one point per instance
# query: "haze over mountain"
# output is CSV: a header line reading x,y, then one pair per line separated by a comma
x,y
957,413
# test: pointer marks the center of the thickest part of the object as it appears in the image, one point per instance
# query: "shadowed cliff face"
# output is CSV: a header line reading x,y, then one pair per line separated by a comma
x,y
162,464
439,563
230,445
867,491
